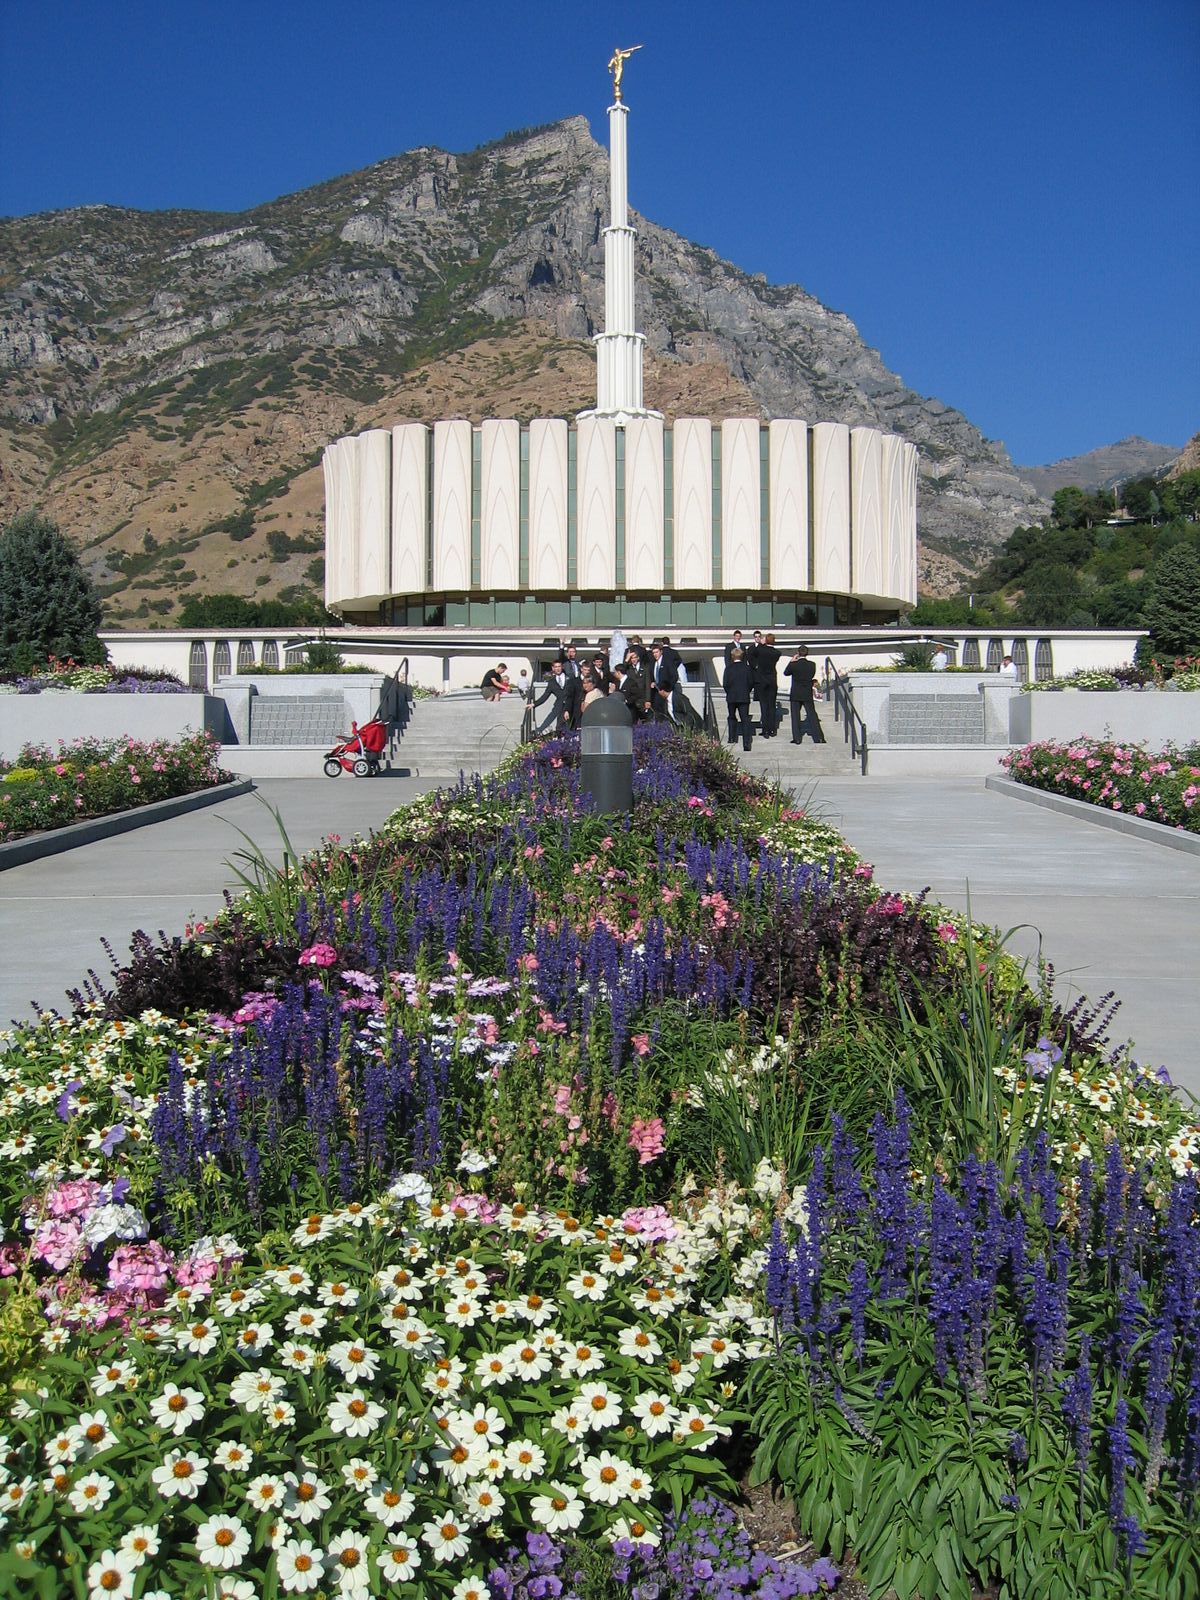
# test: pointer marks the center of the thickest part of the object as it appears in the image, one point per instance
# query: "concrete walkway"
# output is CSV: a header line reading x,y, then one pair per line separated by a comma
x,y
1111,912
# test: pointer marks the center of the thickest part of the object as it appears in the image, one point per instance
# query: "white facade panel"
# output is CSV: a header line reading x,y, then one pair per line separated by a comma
x,y
692,457
831,506
644,505
500,506
452,507
788,532
741,505
410,507
895,551
912,467
341,516
373,545
596,551
867,562
548,505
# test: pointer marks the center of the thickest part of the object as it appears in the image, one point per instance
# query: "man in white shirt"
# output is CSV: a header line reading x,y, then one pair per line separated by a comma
x,y
940,659
1008,669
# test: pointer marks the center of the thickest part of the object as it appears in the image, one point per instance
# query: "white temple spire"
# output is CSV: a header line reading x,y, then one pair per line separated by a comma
x,y
619,347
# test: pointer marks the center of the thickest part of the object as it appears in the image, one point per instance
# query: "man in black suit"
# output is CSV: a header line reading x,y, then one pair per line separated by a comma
x,y
557,691
766,685
803,674
734,644
737,686
663,682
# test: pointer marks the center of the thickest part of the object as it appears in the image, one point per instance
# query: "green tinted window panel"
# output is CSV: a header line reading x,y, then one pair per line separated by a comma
x,y
709,612
507,613
533,613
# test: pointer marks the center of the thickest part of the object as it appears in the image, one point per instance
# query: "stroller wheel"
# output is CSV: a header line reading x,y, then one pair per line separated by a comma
x,y
362,767
333,767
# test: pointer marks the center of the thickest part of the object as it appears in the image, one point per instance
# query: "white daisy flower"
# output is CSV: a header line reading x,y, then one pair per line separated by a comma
x,y
64,1448
656,1413
444,1378
307,1498
354,1360
112,1576
493,1368
348,1555
638,1485
460,1459
289,1280
587,1284
399,1559
222,1542
559,1511
633,1529
354,1415
534,1309
446,1537
198,1338
114,1375
337,1294
463,1312
400,1282
390,1506
599,1404
176,1409
570,1421
529,1360
279,1414
254,1337
639,1344
234,1457
266,1492
577,1359
236,1302
306,1322
15,1493
141,1542
482,1503
472,1588
255,1390
359,1474
183,1473
482,1423
604,1478
91,1492
300,1565
524,1460
295,1357
226,1588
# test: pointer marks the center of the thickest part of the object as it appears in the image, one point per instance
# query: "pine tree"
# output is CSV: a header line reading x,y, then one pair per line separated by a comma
x,y
1173,609
48,604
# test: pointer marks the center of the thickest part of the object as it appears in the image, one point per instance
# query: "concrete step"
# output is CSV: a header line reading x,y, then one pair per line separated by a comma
x,y
290,721
793,765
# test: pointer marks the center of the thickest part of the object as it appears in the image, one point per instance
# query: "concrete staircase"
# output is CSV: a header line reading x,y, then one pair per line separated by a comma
x,y
457,732
780,761
936,719
297,720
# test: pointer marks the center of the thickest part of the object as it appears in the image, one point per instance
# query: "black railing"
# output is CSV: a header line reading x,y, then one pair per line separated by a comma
x,y
854,729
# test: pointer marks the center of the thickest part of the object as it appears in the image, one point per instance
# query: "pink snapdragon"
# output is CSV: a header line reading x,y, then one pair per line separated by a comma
x,y
318,955
648,1137
649,1222
139,1268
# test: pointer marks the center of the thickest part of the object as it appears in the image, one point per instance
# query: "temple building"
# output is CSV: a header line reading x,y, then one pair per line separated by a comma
x,y
614,517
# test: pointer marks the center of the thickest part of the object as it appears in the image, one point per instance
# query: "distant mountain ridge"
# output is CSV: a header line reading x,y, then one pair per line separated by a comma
x,y
168,379
1103,468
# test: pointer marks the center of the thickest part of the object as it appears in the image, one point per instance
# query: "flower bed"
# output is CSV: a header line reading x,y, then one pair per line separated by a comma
x,y
475,1208
1161,786
62,677
45,789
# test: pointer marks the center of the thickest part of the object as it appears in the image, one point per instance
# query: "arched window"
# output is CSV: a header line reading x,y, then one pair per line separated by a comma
x,y
270,654
198,666
1043,660
970,653
995,654
222,660
1020,655
246,656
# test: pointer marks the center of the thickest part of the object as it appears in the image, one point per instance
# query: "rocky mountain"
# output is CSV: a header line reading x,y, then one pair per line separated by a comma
x,y
1188,460
168,379
1102,468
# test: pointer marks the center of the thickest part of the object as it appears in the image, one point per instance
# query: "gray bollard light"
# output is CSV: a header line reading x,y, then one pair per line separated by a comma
x,y
606,755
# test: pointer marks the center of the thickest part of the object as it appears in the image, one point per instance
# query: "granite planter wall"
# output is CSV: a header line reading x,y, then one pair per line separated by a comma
x,y
873,692
1153,717
57,715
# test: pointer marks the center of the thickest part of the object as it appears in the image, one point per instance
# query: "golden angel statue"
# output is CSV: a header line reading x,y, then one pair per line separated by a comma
x,y
617,66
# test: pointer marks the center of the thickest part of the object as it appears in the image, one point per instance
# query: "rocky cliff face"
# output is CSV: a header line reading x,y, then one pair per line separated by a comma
x,y
1110,464
167,379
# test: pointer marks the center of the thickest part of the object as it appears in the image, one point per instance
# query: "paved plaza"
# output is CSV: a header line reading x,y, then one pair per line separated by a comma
x,y
1111,912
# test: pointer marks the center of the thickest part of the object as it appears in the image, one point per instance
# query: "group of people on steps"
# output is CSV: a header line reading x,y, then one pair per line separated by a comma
x,y
649,678
752,674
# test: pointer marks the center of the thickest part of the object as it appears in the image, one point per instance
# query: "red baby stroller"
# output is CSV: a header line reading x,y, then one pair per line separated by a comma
x,y
359,753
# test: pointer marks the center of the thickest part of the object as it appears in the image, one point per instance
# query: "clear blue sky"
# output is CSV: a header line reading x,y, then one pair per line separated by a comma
x,y
1004,198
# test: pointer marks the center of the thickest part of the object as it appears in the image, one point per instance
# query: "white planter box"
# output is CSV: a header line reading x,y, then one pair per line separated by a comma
x,y
1153,717
54,716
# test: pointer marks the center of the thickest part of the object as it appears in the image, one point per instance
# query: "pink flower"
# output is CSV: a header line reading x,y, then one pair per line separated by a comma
x,y
74,1196
651,1222
139,1267
318,955
948,932
57,1243
648,1137
529,962
641,1044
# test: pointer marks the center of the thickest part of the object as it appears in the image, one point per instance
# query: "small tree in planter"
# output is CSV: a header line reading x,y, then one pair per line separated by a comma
x,y
48,604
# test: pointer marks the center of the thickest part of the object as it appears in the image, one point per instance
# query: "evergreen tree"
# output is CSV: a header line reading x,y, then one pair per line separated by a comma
x,y
1173,609
48,604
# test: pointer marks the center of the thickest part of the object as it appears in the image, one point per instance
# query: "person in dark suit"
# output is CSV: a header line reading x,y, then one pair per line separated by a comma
x,y
663,682
737,685
766,685
803,673
734,644
554,691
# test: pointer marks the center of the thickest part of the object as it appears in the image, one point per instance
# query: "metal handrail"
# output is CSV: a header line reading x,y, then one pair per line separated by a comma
x,y
854,729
